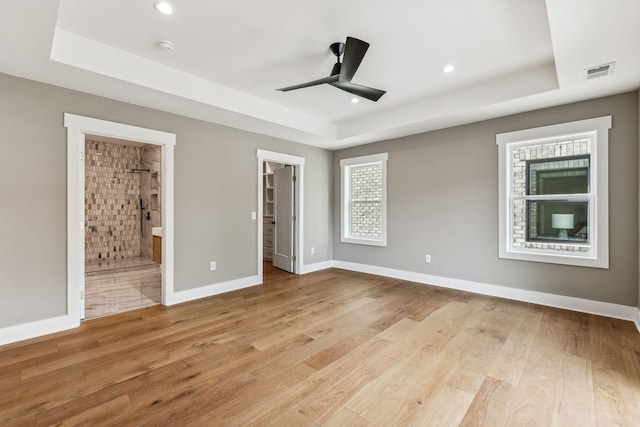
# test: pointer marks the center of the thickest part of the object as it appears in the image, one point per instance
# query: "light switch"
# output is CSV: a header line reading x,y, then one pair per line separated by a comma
x,y
253,216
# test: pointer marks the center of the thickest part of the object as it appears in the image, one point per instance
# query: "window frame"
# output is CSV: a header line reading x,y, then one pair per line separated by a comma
x,y
597,129
346,165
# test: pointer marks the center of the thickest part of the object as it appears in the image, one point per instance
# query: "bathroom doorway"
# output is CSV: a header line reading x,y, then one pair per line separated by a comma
x,y
123,225
77,128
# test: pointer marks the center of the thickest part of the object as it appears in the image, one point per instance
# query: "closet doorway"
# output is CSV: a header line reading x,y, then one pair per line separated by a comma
x,y
280,201
279,217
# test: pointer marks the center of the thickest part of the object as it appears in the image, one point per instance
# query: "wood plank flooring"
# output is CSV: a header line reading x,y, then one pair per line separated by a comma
x,y
332,348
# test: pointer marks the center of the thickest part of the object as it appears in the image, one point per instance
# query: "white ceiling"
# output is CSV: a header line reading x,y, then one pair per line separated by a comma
x,y
510,56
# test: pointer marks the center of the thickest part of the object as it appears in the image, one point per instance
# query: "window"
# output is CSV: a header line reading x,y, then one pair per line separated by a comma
x,y
553,184
558,199
364,200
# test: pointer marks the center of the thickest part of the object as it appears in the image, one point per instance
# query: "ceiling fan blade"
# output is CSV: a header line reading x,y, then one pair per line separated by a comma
x,y
329,79
363,91
354,51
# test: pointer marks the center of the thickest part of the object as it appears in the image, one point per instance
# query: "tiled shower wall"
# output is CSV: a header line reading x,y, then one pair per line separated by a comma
x,y
150,192
112,201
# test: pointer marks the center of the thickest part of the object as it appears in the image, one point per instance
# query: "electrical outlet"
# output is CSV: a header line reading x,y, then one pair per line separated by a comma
x,y
313,251
427,258
212,265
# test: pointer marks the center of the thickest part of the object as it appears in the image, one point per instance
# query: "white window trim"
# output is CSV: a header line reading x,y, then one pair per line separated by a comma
x,y
345,196
598,127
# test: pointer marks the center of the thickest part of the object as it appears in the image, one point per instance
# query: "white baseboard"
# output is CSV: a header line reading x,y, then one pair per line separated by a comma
x,y
38,328
56,324
310,268
210,290
607,309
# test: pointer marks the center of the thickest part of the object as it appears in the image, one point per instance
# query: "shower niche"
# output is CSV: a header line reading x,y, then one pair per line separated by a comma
x,y
154,181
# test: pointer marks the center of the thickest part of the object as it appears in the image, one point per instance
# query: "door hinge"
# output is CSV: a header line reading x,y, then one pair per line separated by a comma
x,y
294,178
81,295
293,218
293,258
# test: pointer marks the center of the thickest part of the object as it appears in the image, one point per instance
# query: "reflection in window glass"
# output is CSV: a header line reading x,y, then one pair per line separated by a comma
x,y
558,221
366,201
558,176
363,205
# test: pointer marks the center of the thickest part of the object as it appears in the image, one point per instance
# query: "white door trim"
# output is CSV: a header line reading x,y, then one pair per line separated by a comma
x,y
77,127
298,162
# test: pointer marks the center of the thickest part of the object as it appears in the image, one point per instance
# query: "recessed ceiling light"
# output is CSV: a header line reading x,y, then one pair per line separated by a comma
x,y
448,68
354,100
163,7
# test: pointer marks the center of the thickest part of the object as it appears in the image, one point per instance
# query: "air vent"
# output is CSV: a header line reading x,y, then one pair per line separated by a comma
x,y
599,71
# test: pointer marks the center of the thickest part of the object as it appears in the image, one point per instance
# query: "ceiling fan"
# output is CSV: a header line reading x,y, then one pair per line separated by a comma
x,y
343,72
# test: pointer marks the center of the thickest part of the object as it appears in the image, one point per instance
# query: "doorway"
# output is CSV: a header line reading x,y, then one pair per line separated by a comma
x,y
77,129
280,229
123,225
279,215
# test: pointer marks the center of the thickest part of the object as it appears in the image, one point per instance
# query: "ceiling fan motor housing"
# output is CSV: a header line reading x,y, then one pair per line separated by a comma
x,y
337,49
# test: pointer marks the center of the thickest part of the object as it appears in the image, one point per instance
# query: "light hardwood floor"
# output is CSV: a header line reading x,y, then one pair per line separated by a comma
x,y
332,348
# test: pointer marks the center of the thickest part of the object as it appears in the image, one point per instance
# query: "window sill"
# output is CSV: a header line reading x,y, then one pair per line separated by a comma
x,y
580,259
369,242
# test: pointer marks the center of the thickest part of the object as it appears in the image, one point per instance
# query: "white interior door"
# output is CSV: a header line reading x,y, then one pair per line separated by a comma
x,y
283,211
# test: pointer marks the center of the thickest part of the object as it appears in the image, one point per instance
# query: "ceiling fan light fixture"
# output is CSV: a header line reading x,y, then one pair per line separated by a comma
x,y
355,100
448,68
163,7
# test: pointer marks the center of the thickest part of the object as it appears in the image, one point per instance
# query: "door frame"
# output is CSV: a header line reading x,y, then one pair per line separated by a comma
x,y
298,163
77,128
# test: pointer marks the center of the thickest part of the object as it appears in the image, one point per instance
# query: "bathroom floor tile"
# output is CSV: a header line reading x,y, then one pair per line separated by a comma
x,y
123,289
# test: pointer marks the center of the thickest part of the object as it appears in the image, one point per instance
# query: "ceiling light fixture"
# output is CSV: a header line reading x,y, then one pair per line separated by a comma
x,y
163,7
448,68
354,100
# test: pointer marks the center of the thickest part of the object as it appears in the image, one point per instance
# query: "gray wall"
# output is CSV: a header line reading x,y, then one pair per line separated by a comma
x,y
443,201
215,192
